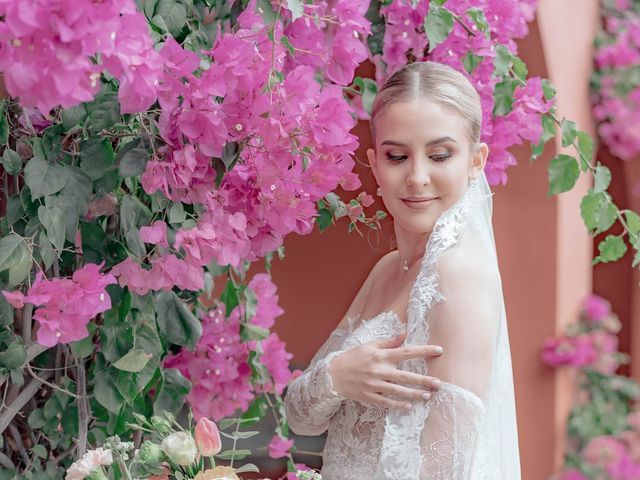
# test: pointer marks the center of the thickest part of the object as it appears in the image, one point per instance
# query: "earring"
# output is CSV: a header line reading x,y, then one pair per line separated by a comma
x,y
379,192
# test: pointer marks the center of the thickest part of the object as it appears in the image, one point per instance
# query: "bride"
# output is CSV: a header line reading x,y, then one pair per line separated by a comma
x,y
368,385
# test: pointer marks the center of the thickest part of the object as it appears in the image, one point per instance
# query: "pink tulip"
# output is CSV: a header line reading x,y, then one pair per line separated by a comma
x,y
207,437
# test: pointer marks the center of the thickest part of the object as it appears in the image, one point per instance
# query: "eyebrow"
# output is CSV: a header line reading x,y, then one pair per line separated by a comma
x,y
428,144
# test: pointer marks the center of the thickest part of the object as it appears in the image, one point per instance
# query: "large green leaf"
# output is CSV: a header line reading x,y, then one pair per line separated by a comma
x,y
296,8
171,395
104,111
133,361
437,25
11,162
133,162
96,157
133,213
174,14
52,218
601,178
612,248
9,247
105,390
44,178
598,213
563,174
176,322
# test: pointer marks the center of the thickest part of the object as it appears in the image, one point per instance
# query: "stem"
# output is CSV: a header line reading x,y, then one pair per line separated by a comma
x,y
83,410
25,395
235,440
18,439
27,323
458,19
49,384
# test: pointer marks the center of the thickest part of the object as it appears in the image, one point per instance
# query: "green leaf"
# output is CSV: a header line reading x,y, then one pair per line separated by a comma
x,y
585,149
4,128
39,451
324,219
52,141
287,44
230,154
173,13
247,467
104,111
502,61
381,214
47,253
252,332
297,10
548,132
84,348
478,17
105,390
598,213
44,178
612,248
21,267
53,220
133,162
176,322
73,116
548,89
11,161
9,247
633,222
36,419
133,213
601,179
14,356
563,174
172,392
503,97
134,360
96,157
234,454
177,213
230,297
569,132
471,61
437,25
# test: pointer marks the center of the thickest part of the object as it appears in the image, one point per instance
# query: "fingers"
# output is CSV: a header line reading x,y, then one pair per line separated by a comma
x,y
409,378
384,402
393,342
408,352
402,394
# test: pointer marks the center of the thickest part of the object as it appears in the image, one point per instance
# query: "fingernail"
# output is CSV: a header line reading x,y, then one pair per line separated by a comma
x,y
426,396
436,383
438,350
407,406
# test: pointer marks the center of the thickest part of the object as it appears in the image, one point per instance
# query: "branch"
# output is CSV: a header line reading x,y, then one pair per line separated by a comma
x,y
20,401
19,443
83,410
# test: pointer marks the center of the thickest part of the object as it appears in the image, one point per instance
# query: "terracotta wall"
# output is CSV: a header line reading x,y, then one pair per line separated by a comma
x,y
543,249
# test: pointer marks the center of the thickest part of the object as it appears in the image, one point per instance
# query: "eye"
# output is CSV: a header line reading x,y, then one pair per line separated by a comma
x,y
440,157
396,158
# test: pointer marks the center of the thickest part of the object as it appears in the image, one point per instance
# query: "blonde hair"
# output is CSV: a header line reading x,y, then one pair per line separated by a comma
x,y
436,83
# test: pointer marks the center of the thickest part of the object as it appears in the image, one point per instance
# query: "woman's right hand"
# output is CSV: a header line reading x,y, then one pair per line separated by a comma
x,y
369,373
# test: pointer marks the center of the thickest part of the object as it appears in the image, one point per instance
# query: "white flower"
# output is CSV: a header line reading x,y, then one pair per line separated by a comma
x,y
89,462
181,448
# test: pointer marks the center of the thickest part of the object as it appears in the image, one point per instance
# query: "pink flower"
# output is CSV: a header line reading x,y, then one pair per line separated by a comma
x,y
267,308
596,308
16,299
207,437
603,451
276,359
573,474
279,447
156,233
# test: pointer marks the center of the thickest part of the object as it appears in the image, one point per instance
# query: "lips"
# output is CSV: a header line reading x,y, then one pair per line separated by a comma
x,y
419,203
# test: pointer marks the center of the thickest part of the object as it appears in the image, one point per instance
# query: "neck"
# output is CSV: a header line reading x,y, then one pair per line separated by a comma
x,y
411,247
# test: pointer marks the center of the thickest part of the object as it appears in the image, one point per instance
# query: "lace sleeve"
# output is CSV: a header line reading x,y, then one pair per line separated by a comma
x,y
311,401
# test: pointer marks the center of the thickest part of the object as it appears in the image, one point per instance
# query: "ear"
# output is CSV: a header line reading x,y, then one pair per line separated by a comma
x,y
478,160
371,156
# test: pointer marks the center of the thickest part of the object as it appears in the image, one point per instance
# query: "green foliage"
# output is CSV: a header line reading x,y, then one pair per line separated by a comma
x,y
437,24
563,174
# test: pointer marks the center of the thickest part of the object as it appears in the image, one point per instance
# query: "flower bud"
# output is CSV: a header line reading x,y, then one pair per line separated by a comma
x,y
207,437
160,424
180,448
150,454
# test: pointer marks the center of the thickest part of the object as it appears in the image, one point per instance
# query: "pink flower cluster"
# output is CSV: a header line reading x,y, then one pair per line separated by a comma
x,y
507,21
46,50
296,145
220,360
594,344
66,305
616,95
218,368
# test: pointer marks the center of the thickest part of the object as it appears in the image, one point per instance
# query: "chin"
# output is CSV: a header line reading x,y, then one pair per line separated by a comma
x,y
420,225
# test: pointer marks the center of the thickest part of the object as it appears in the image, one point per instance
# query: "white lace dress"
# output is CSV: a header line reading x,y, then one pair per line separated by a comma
x,y
452,436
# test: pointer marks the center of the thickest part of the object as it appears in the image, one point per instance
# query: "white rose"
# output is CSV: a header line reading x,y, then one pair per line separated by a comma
x,y
90,461
181,448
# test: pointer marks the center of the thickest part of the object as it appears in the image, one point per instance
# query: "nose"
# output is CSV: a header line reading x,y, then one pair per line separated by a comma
x,y
418,174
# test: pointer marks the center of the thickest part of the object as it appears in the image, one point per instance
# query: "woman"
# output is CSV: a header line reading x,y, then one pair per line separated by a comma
x,y
386,419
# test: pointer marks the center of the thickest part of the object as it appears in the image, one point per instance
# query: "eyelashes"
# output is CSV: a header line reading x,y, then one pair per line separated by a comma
x,y
400,158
